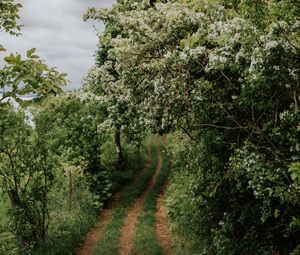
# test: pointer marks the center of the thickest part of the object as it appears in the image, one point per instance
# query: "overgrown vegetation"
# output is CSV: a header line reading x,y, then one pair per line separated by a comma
x,y
221,76
55,196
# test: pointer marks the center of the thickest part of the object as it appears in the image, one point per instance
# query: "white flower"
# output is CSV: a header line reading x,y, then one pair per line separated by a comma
x,y
296,24
197,51
183,56
239,55
287,86
168,54
200,14
271,45
222,59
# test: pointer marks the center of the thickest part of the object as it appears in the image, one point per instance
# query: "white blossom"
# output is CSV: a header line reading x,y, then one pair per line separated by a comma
x,y
271,44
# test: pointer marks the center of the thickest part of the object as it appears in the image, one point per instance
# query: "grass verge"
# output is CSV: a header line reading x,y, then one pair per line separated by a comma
x,y
68,230
145,241
109,242
8,242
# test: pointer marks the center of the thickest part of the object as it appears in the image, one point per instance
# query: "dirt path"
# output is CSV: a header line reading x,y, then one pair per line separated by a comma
x,y
93,237
162,229
127,231
163,233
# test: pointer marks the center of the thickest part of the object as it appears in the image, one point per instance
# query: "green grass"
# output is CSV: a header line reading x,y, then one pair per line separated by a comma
x,y
8,243
68,230
109,242
145,241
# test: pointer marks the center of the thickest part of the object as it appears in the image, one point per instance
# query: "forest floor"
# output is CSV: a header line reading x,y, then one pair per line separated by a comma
x,y
127,232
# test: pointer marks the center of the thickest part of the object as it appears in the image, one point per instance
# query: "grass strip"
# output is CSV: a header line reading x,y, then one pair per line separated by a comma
x,y
145,241
109,243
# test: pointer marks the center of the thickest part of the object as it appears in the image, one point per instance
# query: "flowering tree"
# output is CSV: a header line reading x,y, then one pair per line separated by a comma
x,y
226,74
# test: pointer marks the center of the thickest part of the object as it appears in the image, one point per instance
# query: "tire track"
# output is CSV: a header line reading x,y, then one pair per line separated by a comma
x,y
95,234
127,231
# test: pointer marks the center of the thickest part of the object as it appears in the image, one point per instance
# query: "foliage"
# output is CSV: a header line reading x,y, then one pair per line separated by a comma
x,y
225,74
9,16
71,128
68,228
22,76
26,176
26,166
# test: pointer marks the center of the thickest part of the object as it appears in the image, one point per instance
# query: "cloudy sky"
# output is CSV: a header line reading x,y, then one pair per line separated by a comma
x,y
62,38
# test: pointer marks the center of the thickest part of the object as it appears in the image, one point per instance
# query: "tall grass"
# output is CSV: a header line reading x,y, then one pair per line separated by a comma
x,y
3,211
68,229
8,243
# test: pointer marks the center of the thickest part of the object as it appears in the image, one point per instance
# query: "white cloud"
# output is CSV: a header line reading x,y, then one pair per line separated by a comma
x,y
60,35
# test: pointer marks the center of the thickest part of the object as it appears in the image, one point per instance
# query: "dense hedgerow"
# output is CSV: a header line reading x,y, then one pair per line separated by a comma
x,y
225,76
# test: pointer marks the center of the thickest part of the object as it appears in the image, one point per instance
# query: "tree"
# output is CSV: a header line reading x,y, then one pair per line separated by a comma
x,y
123,114
26,167
226,74
71,131
21,76
26,174
9,17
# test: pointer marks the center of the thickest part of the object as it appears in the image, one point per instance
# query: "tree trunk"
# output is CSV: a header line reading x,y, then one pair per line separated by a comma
x,y
118,148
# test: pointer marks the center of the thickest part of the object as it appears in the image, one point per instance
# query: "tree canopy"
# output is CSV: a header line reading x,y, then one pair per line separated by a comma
x,y
225,74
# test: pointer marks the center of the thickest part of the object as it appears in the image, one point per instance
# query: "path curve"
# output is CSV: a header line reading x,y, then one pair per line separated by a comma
x,y
95,234
127,231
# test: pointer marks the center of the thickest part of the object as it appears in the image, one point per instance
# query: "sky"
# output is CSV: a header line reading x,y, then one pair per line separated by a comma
x,y
62,38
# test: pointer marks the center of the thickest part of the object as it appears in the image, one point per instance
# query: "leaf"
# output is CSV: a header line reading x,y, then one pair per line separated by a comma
x,y
276,213
63,75
10,59
34,56
294,176
18,58
2,48
18,5
30,52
